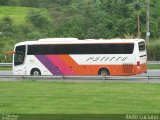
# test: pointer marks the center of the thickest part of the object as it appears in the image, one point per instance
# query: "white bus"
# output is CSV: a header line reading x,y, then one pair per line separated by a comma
x,y
70,56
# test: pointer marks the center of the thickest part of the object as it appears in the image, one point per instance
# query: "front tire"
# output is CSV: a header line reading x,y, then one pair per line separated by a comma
x,y
35,72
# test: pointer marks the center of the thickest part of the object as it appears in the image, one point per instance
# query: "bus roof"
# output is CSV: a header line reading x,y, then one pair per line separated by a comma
x,y
77,41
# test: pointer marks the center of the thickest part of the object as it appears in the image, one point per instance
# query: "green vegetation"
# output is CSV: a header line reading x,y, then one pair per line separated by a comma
x,y
31,97
153,49
16,25
22,20
154,66
19,14
5,68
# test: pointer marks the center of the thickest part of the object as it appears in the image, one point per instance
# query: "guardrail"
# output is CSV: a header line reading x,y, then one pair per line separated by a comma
x,y
10,64
153,62
5,64
145,79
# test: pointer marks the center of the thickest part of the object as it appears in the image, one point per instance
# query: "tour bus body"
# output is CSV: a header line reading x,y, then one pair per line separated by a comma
x,y
70,56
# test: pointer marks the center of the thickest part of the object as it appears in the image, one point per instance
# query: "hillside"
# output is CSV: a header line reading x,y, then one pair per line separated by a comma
x,y
85,18
15,26
22,20
18,14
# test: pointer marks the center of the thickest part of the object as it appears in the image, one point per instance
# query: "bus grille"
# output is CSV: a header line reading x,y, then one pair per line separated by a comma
x,y
127,68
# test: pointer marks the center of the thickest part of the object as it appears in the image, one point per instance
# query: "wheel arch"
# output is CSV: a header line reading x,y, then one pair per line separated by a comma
x,y
104,68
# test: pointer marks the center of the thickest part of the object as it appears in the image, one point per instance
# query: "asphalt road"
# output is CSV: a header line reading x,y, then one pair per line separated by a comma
x,y
149,73
6,73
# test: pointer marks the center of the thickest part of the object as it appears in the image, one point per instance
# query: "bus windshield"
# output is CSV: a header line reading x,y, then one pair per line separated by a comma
x,y
19,55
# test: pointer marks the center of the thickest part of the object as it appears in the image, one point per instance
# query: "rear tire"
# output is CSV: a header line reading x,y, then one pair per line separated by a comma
x,y
104,72
35,72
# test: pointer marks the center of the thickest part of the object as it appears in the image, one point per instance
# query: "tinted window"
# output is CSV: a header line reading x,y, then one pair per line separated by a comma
x,y
81,49
19,55
142,46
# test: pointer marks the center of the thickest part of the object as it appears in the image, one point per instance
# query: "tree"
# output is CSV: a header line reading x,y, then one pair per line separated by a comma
x,y
4,2
30,3
6,26
38,20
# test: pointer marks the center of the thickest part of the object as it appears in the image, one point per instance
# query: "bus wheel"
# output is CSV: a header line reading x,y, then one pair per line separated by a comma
x,y
35,71
104,72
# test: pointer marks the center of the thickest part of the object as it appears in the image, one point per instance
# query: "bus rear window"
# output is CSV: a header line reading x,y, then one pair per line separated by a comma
x,y
142,46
